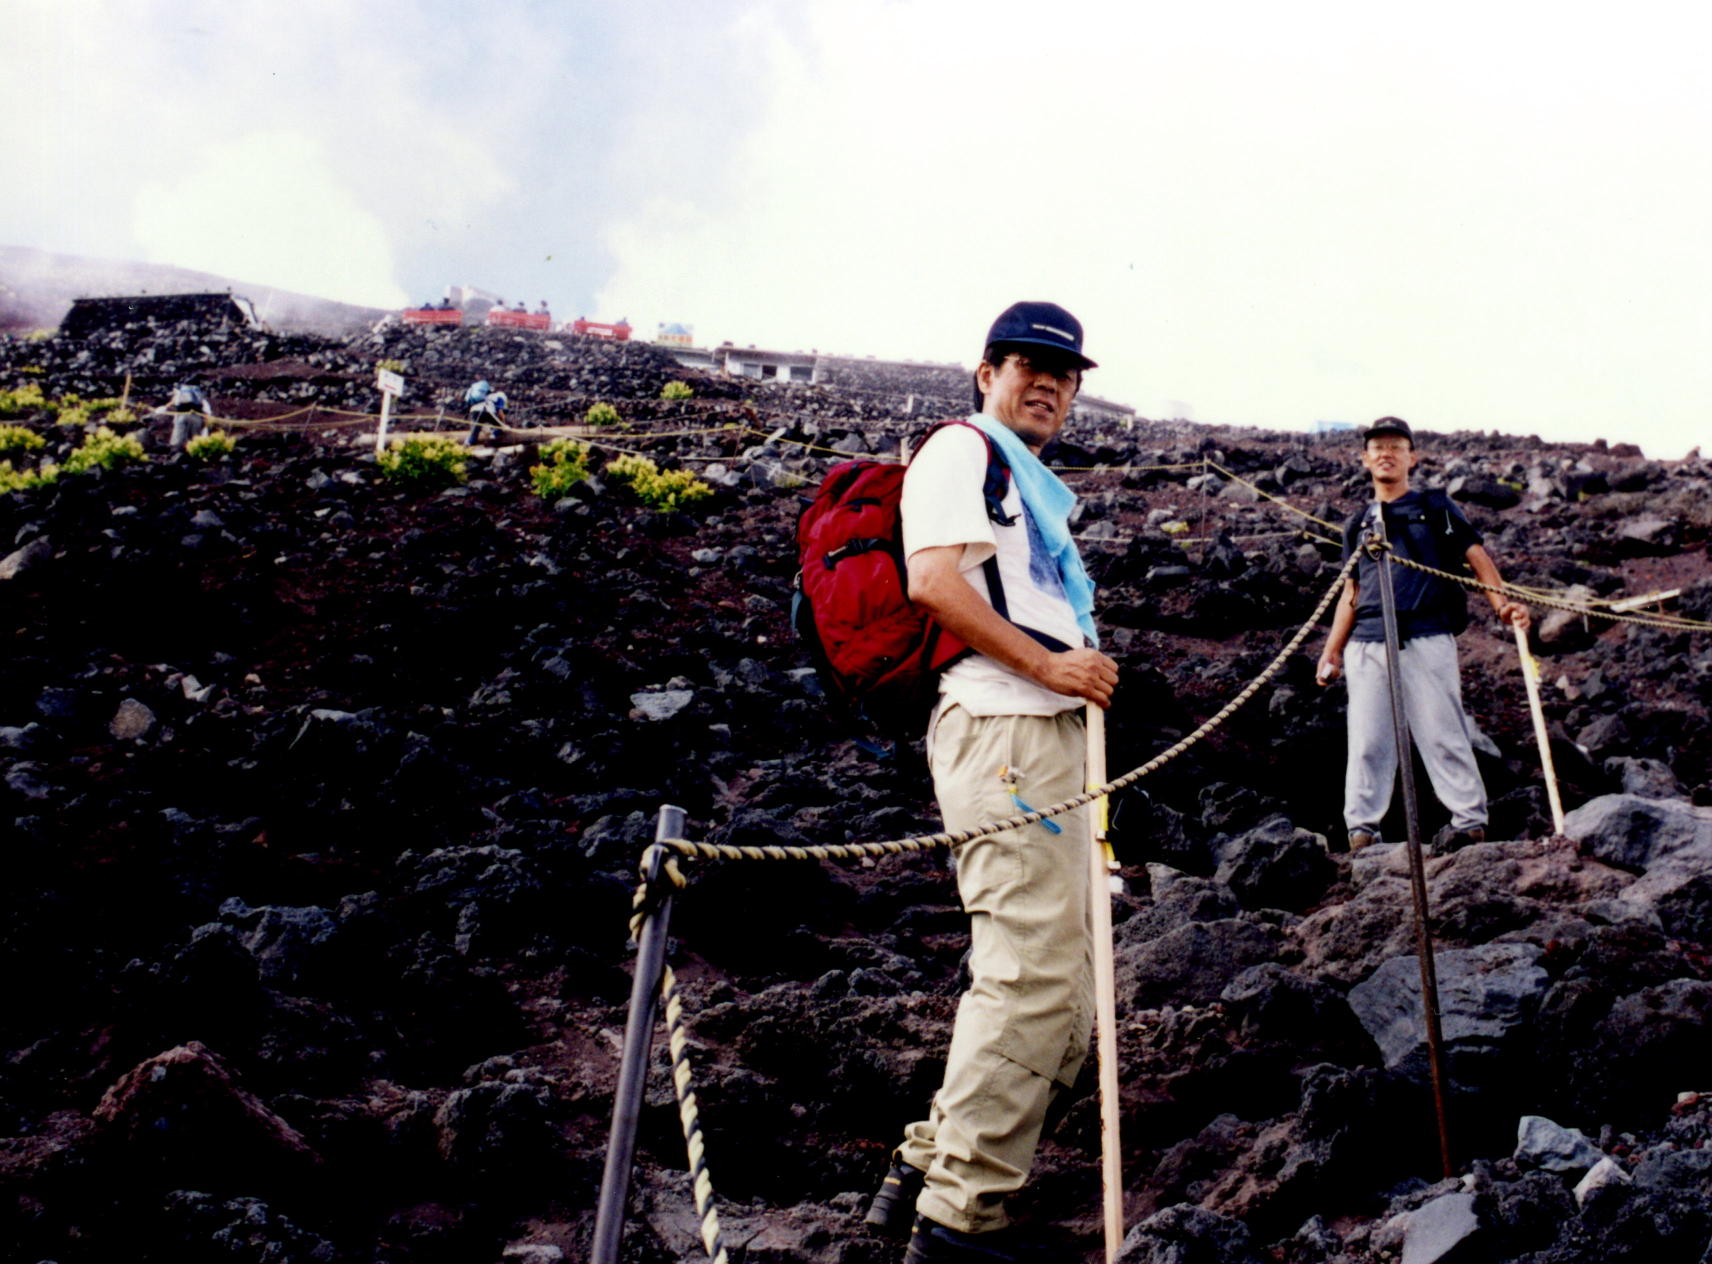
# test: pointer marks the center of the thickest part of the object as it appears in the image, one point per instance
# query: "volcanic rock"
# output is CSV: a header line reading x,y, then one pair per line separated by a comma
x,y
1544,1144
1486,996
184,1106
1632,832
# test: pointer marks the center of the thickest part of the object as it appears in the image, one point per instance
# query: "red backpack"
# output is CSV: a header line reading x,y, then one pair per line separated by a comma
x,y
875,649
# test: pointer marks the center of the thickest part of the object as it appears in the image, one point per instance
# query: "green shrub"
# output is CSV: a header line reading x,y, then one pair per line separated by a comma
x,y
38,335
18,439
70,412
23,402
429,462
12,480
564,464
391,366
106,449
602,415
113,408
676,390
664,491
211,446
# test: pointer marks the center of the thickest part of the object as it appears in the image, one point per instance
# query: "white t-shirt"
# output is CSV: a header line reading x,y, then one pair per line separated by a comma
x,y
943,505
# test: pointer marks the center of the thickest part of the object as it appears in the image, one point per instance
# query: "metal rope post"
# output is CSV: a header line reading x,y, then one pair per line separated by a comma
x,y
1411,813
638,1043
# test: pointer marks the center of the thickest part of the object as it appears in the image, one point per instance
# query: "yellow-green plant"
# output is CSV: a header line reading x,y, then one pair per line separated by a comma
x,y
106,449
27,399
564,464
601,415
70,411
391,366
676,390
12,480
18,439
664,491
211,446
113,408
38,335
427,461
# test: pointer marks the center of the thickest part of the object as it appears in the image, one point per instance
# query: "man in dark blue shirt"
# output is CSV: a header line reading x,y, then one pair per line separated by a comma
x,y
1425,527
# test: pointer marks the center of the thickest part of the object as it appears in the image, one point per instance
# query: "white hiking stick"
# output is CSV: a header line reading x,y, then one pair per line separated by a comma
x,y
1105,986
1531,675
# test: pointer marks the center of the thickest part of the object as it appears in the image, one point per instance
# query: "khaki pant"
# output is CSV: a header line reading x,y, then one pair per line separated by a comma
x,y
1022,1028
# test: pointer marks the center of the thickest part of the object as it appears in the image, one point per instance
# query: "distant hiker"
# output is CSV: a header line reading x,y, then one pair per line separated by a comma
x,y
542,310
487,408
445,305
1007,727
1426,527
190,414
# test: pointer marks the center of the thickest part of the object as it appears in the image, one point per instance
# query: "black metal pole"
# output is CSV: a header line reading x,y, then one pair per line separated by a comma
x,y
638,1044
1417,861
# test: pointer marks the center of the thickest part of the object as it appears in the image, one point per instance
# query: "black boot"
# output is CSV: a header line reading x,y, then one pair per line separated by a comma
x,y
893,1209
934,1243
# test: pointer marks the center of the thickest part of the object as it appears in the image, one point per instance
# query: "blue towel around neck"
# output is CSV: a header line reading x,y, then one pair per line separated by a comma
x,y
1048,503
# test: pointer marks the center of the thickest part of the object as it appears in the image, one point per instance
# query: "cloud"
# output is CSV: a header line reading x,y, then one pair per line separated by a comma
x,y
268,208
415,123
1275,213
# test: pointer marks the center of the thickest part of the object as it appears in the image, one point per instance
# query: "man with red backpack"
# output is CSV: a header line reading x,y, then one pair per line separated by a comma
x,y
1001,573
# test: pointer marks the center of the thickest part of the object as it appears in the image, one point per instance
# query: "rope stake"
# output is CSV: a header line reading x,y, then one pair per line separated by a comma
x,y
1531,675
1100,866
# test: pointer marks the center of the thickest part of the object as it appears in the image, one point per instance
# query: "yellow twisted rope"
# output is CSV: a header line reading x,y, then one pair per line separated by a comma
x,y
689,1117
1214,465
1674,622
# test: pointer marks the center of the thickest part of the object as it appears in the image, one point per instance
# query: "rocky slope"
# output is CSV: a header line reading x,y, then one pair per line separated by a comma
x,y
326,798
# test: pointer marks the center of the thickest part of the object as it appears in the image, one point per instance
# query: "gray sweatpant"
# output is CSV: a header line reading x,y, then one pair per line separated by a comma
x,y
1432,702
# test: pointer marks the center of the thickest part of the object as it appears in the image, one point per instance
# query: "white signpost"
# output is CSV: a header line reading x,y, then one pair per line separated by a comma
x,y
391,386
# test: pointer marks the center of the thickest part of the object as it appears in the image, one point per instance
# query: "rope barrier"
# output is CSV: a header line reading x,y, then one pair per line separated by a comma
x,y
1674,622
1214,465
1534,595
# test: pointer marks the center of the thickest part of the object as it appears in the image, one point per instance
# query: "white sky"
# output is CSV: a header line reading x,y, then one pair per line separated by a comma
x,y
1489,216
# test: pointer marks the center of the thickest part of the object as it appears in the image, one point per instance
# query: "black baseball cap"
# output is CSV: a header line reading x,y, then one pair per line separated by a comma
x,y
1389,426
1040,325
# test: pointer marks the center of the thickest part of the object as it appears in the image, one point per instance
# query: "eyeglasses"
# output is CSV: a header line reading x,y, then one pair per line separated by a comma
x,y
1062,370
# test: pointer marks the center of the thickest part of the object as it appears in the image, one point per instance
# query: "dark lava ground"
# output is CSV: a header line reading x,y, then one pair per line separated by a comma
x,y
325,799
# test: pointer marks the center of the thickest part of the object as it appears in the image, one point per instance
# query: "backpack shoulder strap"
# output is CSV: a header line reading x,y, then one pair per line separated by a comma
x,y
993,488
998,477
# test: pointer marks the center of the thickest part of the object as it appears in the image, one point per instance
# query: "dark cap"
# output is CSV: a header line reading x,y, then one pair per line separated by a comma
x,y
1389,426
1041,325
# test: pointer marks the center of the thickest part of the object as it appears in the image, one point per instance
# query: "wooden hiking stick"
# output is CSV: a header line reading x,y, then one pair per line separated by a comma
x,y
1531,676
1105,986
